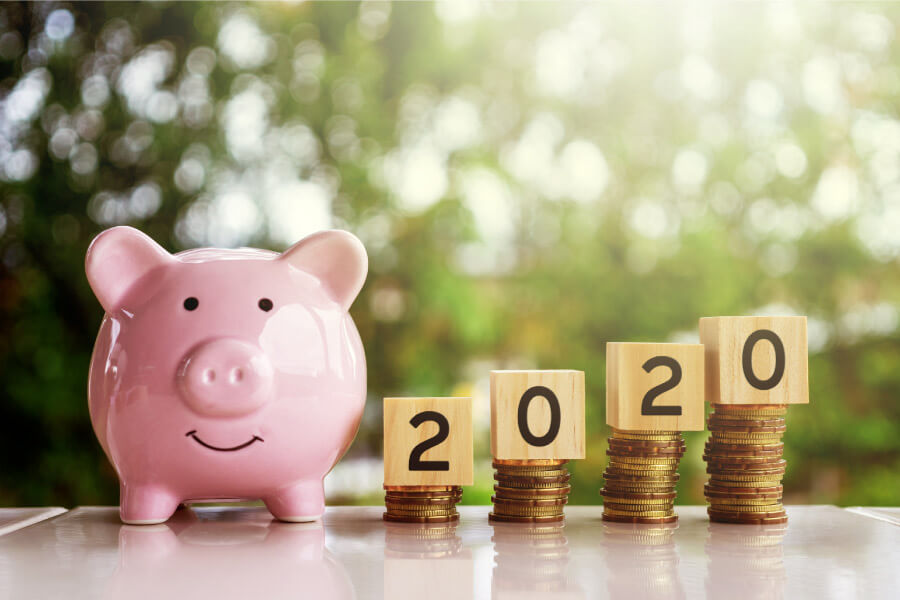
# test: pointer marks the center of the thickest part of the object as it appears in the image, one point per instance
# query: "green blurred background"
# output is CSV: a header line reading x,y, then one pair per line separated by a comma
x,y
531,181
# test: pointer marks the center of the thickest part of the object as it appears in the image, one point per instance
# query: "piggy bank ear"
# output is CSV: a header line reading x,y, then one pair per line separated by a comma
x,y
116,259
336,258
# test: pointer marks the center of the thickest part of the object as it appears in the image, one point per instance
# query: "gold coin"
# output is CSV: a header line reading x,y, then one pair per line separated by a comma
x,y
419,519
630,462
744,439
500,466
745,483
646,477
560,492
620,496
732,420
533,473
746,435
419,508
621,488
629,469
742,501
734,438
654,505
518,485
745,408
745,427
744,475
422,513
637,513
645,460
748,406
527,511
749,414
415,506
748,510
435,500
731,504
498,518
530,462
423,488
645,435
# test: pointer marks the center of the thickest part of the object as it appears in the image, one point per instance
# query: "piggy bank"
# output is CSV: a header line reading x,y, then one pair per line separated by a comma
x,y
225,374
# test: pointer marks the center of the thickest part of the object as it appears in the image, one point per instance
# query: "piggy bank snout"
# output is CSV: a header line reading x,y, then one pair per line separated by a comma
x,y
225,377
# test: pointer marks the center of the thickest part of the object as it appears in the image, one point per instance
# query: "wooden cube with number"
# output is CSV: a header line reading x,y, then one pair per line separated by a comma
x,y
756,360
428,441
537,414
654,387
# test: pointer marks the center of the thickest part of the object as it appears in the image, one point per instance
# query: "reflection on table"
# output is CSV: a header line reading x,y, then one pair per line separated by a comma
x,y
222,553
641,561
532,560
424,560
746,561
193,558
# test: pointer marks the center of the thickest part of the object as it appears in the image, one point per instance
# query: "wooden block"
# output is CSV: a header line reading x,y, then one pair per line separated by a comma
x,y
537,414
654,387
756,360
428,441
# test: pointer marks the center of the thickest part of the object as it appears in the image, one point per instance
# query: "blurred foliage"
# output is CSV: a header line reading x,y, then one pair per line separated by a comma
x,y
531,180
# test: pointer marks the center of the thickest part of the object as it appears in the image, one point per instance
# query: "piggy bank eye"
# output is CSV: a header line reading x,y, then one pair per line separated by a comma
x,y
265,304
191,303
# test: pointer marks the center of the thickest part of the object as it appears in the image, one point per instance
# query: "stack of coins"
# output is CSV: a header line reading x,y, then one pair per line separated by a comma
x,y
421,503
744,462
530,491
641,476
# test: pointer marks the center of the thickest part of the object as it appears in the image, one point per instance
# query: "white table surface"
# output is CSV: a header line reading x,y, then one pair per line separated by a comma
x,y
824,552
885,513
12,519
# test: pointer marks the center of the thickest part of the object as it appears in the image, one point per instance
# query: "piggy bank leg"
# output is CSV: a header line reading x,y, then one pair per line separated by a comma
x,y
298,504
145,504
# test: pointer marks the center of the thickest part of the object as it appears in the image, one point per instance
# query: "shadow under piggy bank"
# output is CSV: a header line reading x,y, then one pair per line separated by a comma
x,y
193,558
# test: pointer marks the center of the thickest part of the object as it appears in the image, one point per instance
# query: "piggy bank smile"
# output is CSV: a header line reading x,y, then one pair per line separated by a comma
x,y
250,355
193,434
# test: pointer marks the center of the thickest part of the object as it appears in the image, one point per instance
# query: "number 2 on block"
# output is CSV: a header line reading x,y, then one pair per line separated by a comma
x,y
415,457
647,406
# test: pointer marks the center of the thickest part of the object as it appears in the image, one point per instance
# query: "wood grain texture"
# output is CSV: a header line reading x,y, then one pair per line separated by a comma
x,y
401,437
725,341
507,390
628,382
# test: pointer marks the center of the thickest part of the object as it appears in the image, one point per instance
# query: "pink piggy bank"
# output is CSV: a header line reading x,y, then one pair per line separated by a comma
x,y
225,374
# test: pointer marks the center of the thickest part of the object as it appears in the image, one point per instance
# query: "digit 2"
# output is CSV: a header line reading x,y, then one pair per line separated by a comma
x,y
555,416
747,359
647,407
415,457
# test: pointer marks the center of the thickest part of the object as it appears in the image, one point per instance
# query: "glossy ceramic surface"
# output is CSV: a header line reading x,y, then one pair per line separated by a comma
x,y
221,374
238,553
886,513
12,519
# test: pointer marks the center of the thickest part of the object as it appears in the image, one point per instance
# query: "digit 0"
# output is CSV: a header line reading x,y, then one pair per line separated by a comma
x,y
647,407
555,416
747,359
415,457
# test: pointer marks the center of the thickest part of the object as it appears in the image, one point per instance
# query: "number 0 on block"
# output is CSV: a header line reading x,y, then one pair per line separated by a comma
x,y
537,414
755,360
428,441
654,387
